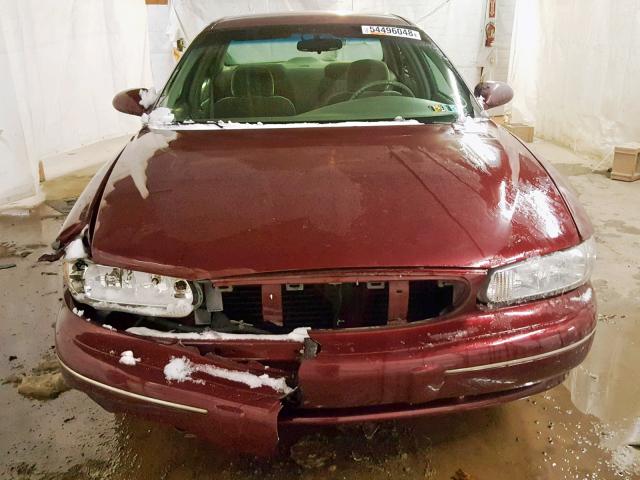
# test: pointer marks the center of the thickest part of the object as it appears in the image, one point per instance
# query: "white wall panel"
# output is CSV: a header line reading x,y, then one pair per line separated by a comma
x,y
64,60
575,69
17,176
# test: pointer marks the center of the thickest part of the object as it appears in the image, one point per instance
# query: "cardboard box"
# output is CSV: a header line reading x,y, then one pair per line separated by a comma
x,y
521,130
626,164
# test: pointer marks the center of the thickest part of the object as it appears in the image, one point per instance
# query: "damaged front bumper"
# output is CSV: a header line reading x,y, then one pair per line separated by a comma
x,y
469,360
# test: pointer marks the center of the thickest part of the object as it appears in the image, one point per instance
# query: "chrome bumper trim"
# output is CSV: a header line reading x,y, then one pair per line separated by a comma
x,y
124,393
519,361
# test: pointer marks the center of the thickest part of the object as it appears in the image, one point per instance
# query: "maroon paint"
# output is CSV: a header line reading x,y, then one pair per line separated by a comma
x,y
306,18
85,207
407,364
328,416
330,204
128,101
238,417
224,202
391,372
493,94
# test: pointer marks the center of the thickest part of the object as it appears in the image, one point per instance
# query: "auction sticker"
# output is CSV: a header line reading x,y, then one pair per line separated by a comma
x,y
390,31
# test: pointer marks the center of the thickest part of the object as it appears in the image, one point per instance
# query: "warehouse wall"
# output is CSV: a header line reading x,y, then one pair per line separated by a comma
x,y
61,63
18,177
575,69
162,61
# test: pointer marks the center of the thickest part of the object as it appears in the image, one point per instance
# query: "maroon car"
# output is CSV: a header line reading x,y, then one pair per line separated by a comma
x,y
319,224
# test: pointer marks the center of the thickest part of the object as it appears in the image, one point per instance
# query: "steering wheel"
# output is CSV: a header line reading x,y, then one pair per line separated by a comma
x,y
377,83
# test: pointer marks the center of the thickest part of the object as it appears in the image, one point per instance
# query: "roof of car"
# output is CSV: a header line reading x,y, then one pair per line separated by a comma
x,y
308,18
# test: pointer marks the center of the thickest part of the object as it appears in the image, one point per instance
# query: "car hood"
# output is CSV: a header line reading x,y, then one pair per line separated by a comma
x,y
215,203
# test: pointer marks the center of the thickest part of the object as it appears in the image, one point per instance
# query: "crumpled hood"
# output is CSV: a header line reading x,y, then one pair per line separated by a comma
x,y
206,204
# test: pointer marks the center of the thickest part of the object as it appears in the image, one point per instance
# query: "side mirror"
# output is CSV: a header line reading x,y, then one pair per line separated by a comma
x,y
128,101
494,94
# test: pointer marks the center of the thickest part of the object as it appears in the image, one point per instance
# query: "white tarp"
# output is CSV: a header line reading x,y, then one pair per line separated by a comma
x,y
575,70
60,64
18,177
456,25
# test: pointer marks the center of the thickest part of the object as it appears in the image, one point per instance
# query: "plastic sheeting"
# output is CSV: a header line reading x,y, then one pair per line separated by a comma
x,y
60,64
456,25
575,70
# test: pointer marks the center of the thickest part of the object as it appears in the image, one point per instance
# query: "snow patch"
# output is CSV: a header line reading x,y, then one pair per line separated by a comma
x,y
75,250
108,327
78,312
158,118
127,358
222,125
181,369
148,97
297,335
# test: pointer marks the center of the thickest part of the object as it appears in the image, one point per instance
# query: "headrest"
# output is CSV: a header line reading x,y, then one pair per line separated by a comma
x,y
252,81
336,71
362,72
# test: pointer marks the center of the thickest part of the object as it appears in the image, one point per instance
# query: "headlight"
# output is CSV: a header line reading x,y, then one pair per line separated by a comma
x,y
540,277
119,289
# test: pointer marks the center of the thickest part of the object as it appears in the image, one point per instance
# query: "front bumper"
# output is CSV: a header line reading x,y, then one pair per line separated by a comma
x,y
470,360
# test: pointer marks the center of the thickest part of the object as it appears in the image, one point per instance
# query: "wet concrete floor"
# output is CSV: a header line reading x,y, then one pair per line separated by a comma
x,y
582,429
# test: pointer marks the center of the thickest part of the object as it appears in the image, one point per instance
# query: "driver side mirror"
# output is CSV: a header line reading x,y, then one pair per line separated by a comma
x,y
128,101
493,94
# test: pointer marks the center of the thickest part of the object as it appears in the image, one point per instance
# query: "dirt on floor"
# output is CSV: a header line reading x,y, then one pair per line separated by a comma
x,y
586,428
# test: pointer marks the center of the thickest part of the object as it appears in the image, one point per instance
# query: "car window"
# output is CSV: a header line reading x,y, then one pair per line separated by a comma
x,y
441,83
315,74
283,49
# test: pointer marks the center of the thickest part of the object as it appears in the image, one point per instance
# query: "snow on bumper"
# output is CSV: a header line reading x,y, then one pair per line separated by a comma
x,y
468,360
225,411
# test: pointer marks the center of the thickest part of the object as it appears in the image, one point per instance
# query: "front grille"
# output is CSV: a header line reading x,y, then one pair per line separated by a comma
x,y
428,299
327,305
244,303
310,306
343,305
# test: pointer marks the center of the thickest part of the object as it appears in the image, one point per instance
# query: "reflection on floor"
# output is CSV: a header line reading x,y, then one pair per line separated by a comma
x,y
579,430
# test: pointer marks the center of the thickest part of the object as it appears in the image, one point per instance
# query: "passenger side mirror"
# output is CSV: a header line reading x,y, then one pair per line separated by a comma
x,y
128,101
493,94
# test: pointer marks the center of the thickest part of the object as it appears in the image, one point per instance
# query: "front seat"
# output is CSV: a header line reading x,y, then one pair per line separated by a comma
x,y
361,73
252,90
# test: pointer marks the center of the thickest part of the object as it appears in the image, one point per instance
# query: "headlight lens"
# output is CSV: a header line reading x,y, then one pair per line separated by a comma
x,y
540,277
123,290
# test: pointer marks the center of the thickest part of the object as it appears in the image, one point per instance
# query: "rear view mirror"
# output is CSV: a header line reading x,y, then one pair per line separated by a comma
x,y
320,45
128,101
493,94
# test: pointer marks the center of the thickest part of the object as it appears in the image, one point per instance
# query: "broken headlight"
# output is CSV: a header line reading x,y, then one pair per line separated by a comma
x,y
540,277
119,289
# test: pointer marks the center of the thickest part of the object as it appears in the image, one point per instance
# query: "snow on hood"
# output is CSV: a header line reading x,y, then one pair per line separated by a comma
x,y
158,118
163,121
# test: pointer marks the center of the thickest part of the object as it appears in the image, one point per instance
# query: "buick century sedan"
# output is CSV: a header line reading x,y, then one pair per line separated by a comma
x,y
318,223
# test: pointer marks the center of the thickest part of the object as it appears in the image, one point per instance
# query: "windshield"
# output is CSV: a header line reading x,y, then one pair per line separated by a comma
x,y
298,74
